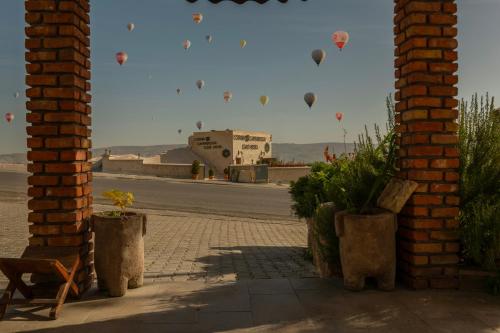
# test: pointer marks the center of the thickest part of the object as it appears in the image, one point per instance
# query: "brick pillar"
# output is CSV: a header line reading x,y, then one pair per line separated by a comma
x,y
426,114
58,70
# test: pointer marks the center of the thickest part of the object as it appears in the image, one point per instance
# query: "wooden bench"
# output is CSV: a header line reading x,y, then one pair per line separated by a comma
x,y
59,262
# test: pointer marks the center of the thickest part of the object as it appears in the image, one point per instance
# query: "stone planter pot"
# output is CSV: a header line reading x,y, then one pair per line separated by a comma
x,y
119,252
367,248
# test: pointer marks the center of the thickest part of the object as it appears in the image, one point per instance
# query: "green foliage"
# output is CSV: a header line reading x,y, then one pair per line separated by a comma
x,y
195,167
309,191
479,135
211,173
120,199
324,234
361,180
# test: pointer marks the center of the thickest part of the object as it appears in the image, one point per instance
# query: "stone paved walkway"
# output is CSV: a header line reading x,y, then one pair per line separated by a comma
x,y
186,246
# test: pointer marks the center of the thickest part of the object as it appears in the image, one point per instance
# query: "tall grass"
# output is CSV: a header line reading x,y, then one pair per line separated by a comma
x,y
479,134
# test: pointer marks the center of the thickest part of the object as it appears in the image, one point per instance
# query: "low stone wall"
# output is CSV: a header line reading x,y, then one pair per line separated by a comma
x,y
287,174
137,167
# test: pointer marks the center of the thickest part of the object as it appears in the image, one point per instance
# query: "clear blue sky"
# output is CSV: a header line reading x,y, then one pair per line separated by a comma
x,y
137,104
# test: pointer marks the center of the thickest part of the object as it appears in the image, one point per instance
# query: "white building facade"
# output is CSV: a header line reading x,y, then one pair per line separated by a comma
x,y
221,149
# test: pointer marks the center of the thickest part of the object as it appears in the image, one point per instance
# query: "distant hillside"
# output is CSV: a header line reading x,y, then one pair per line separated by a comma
x,y
310,152
307,153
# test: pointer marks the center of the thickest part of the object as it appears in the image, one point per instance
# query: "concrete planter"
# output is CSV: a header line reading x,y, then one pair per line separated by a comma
x,y
119,252
367,248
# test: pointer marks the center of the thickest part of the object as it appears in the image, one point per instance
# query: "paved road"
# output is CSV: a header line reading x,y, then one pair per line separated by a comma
x,y
232,200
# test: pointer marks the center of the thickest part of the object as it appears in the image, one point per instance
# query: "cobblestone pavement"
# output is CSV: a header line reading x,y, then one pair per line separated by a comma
x,y
186,246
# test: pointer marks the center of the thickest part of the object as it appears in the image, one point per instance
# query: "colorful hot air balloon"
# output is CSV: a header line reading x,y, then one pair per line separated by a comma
x,y
264,100
339,116
186,44
197,18
310,99
227,96
200,84
243,43
318,56
17,94
121,58
209,39
179,131
178,91
130,26
9,117
199,124
340,38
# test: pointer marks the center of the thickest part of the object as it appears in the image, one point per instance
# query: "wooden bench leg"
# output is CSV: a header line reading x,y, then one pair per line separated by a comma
x,y
6,298
63,289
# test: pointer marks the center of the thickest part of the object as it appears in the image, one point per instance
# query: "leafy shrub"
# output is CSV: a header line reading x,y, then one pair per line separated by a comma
x,y
309,191
120,199
324,235
479,143
195,167
362,178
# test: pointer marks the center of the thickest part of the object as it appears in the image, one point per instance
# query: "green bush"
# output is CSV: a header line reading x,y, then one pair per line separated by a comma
x,y
211,173
309,191
479,144
360,180
324,235
195,167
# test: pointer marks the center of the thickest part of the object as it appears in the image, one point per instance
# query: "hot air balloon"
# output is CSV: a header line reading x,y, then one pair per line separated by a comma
x,y
197,18
339,116
243,43
264,100
9,117
209,39
186,44
199,124
179,131
200,84
227,96
310,99
340,38
318,56
121,57
178,91
130,26
17,94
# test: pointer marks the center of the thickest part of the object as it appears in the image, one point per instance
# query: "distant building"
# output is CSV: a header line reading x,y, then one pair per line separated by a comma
x,y
223,148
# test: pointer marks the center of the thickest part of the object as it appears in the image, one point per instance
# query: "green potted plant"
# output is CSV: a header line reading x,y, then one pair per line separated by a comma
x,y
211,174
119,245
364,229
226,173
195,169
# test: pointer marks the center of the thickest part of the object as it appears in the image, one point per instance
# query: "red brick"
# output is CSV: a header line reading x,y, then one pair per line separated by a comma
x,y
452,247
444,188
425,175
41,130
35,56
423,30
424,54
452,176
444,235
444,259
62,117
425,126
41,105
414,235
67,93
41,80
415,163
426,200
422,247
444,67
424,78
36,192
63,168
65,241
43,155
445,19
415,139
443,43
451,152
444,138
445,163
422,6
64,191
41,204
74,155
421,223
452,200
444,114
62,143
425,151
443,91
424,102
43,180
36,217
44,229
444,212
40,5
